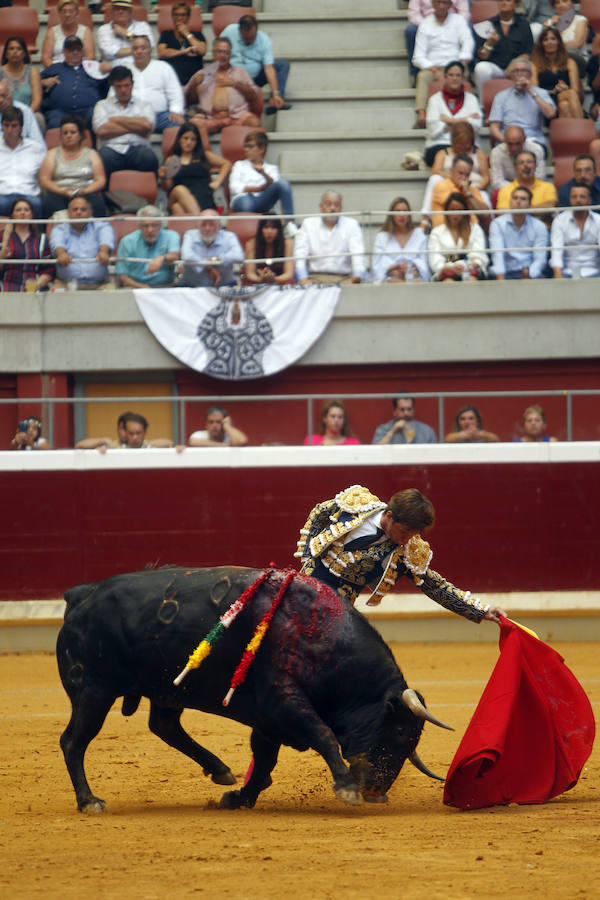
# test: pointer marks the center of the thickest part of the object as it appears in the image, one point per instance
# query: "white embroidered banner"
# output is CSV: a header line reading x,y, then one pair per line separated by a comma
x,y
238,333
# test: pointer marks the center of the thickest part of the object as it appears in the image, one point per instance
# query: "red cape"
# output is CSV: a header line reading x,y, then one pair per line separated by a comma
x,y
531,733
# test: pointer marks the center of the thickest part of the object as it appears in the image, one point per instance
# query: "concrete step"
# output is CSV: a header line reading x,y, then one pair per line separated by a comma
x,y
351,76
345,101
339,117
359,194
342,35
289,7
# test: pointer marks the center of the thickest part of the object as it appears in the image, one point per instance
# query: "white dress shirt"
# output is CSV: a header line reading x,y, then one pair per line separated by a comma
x,y
159,86
438,44
442,245
437,131
243,174
338,251
109,44
106,109
387,252
19,167
566,233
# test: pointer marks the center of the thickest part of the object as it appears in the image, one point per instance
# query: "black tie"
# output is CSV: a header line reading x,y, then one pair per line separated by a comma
x,y
364,541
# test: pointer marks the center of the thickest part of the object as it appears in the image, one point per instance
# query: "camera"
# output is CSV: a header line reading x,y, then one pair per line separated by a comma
x,y
24,426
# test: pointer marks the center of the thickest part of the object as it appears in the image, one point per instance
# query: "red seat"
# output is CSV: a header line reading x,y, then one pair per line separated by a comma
x,y
490,89
569,137
182,225
168,139
591,10
84,17
225,15
232,141
483,9
53,138
563,170
243,228
165,21
123,225
20,20
141,183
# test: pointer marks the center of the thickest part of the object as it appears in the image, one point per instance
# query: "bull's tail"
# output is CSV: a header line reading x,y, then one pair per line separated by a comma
x,y
130,704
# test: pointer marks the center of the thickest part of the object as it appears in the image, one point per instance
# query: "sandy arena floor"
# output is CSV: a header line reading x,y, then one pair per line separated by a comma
x,y
163,838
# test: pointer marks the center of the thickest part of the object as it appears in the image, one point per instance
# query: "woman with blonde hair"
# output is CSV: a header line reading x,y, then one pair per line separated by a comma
x,y
67,26
555,72
533,423
399,249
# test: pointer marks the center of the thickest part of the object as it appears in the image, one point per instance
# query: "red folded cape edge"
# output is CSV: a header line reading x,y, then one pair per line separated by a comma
x,y
531,733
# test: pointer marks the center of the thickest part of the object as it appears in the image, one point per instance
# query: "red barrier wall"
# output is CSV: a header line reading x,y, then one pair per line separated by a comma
x,y
500,526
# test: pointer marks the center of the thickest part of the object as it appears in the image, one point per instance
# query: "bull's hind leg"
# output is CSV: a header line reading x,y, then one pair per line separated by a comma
x,y
265,752
164,723
90,708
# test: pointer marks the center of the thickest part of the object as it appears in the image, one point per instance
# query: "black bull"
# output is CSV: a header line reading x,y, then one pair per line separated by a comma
x,y
322,678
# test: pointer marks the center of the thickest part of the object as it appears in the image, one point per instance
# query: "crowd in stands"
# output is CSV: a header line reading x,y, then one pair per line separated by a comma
x,y
334,429
102,93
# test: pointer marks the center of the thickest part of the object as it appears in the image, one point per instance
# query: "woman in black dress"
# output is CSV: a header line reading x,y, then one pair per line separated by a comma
x,y
554,71
186,175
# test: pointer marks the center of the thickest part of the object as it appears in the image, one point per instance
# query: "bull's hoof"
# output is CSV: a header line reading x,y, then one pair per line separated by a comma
x,y
94,806
234,800
349,795
226,777
370,798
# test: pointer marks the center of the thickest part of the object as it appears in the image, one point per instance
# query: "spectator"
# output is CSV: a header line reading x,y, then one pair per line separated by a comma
x,y
255,185
68,26
72,169
536,13
224,93
219,431
105,443
152,242
20,161
155,82
136,427
573,29
71,87
462,140
556,73
543,193
521,105
441,38
123,124
576,238
404,428
399,251
510,232
31,129
458,181
593,75
181,47
29,436
330,248
267,249
502,157
82,249
210,254
509,36
418,10
584,171
253,51
115,38
534,426
447,107
334,428
186,175
17,70
468,428
457,247
23,240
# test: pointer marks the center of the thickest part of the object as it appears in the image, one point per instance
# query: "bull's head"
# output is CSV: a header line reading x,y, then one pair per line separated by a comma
x,y
396,740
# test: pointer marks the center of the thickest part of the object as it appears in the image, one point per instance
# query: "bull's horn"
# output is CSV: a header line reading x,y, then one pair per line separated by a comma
x,y
410,699
420,765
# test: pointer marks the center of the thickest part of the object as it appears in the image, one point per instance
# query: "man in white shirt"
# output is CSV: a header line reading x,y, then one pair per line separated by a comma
x,y
441,38
20,161
156,83
114,38
31,129
503,156
418,10
255,185
575,238
330,248
123,124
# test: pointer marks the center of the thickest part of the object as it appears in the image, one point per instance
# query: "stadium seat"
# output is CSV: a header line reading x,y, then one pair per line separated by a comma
x,y
569,137
84,18
490,89
483,9
232,141
563,170
168,139
182,225
141,183
20,20
243,228
123,225
53,138
591,10
165,22
225,15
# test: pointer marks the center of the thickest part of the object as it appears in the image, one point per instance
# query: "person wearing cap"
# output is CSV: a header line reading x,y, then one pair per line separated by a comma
x,y
114,38
72,86
253,51
68,26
